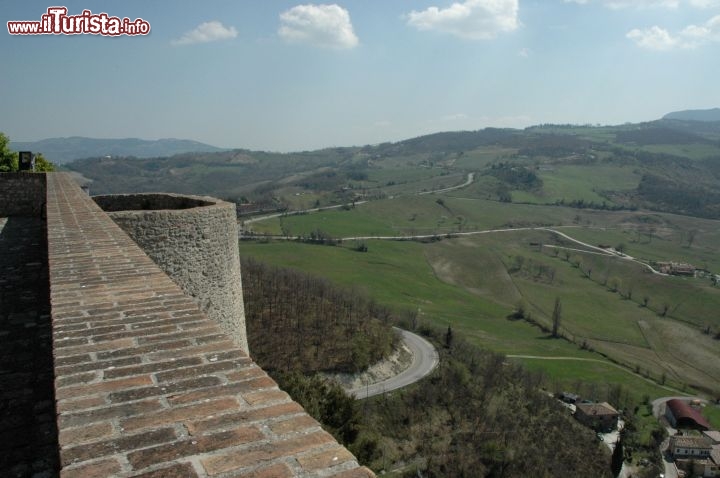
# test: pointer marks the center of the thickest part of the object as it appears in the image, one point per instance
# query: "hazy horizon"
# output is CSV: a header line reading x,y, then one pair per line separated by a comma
x,y
286,76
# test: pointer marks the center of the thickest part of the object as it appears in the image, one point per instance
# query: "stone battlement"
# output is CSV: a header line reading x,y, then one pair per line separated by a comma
x,y
194,240
146,384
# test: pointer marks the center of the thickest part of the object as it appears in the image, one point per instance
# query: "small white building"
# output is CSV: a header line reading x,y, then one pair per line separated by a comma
x,y
682,446
698,453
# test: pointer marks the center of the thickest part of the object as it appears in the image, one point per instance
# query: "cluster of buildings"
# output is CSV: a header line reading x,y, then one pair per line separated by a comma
x,y
697,450
697,454
676,268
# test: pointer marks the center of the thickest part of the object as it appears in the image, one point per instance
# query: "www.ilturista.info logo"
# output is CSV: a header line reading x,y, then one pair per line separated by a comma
x,y
57,22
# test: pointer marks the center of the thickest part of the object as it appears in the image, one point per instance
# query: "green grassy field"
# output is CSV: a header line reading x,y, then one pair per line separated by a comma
x,y
336,222
712,413
394,180
408,275
665,240
691,300
382,176
573,183
397,274
606,320
299,199
651,324
586,377
483,157
412,215
692,151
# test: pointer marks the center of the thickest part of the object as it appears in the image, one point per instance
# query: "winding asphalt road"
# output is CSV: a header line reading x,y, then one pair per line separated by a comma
x,y
425,359
603,251
468,182
250,220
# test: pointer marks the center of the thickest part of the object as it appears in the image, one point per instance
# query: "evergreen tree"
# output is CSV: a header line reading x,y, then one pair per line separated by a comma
x,y
617,458
449,337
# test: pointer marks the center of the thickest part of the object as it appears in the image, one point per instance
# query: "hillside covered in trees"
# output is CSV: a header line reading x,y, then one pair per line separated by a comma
x,y
296,322
475,416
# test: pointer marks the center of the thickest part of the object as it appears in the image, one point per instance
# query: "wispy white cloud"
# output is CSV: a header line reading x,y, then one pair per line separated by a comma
x,y
661,39
207,32
618,4
525,52
463,120
454,117
707,32
644,4
516,121
705,3
653,38
692,36
326,26
471,19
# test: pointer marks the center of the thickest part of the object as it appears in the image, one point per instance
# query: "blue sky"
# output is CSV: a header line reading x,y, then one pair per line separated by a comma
x,y
284,75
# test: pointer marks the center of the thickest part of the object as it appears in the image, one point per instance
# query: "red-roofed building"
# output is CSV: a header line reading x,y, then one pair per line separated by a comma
x,y
681,415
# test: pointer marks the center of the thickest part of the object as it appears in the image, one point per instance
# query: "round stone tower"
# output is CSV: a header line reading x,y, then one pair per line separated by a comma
x,y
195,241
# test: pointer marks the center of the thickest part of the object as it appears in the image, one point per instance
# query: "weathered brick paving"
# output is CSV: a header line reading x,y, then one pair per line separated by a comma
x,y
146,385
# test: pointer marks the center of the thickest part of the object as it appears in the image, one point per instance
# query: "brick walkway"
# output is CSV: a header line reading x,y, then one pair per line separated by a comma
x,y
146,384
28,435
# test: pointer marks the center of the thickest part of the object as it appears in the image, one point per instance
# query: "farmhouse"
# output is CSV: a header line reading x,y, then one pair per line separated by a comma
x,y
677,268
682,446
681,415
696,454
599,416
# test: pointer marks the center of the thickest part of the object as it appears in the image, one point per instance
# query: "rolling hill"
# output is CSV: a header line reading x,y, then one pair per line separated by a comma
x,y
63,150
695,115
665,165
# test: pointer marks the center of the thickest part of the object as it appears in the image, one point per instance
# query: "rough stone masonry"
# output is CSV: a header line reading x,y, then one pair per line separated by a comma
x,y
195,241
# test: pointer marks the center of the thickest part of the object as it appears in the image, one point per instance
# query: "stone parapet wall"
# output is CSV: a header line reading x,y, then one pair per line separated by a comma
x,y
151,202
22,194
195,241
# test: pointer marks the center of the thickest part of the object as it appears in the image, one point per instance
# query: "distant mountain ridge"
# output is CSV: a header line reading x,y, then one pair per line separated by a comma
x,y
712,114
63,150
